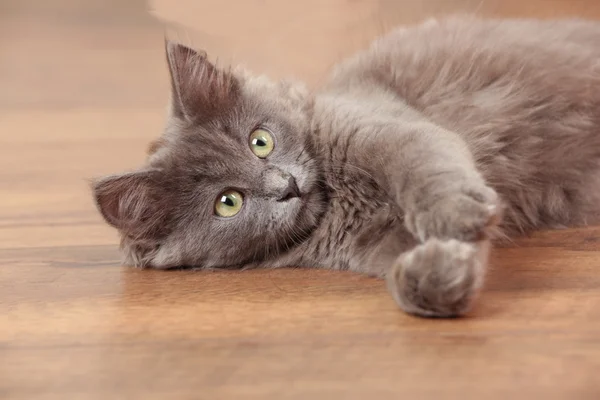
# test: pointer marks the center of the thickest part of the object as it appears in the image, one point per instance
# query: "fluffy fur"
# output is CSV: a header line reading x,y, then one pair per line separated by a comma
x,y
416,153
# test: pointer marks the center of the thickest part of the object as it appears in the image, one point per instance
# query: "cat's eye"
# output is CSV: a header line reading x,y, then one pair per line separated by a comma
x,y
261,143
229,203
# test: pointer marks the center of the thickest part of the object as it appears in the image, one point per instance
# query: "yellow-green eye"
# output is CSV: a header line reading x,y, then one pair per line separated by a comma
x,y
229,203
261,143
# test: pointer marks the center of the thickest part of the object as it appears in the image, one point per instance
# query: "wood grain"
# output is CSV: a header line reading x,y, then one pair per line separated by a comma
x,y
83,92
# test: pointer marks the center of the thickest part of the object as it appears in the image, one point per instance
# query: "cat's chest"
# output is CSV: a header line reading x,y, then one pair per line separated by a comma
x,y
359,217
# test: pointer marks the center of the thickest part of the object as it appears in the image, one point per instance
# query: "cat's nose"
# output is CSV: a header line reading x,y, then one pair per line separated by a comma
x,y
291,191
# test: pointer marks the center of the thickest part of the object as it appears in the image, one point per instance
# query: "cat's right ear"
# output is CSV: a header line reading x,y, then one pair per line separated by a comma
x,y
200,90
134,203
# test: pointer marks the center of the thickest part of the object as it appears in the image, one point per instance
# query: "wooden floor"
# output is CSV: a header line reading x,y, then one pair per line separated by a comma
x,y
83,89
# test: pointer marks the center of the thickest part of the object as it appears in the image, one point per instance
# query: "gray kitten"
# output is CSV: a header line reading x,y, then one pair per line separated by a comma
x,y
416,153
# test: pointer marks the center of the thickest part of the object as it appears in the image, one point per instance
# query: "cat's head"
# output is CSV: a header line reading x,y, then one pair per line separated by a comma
x,y
233,180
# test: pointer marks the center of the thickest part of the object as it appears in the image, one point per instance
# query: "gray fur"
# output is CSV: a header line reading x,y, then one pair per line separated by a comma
x,y
415,154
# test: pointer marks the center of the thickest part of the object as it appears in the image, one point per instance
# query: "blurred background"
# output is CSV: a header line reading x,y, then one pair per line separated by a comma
x,y
84,89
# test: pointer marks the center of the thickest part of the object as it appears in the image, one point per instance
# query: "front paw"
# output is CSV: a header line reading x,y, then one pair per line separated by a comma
x,y
468,213
438,278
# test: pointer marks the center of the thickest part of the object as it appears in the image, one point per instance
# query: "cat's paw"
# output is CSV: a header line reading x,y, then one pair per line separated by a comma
x,y
467,213
438,278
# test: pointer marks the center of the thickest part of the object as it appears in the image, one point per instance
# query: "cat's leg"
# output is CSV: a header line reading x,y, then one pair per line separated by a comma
x,y
452,211
448,199
448,207
431,174
439,278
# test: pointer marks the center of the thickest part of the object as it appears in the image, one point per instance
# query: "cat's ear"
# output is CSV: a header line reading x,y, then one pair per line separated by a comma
x,y
200,90
133,202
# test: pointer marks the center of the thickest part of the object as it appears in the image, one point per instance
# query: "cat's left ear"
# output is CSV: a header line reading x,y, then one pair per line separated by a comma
x,y
136,203
200,90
